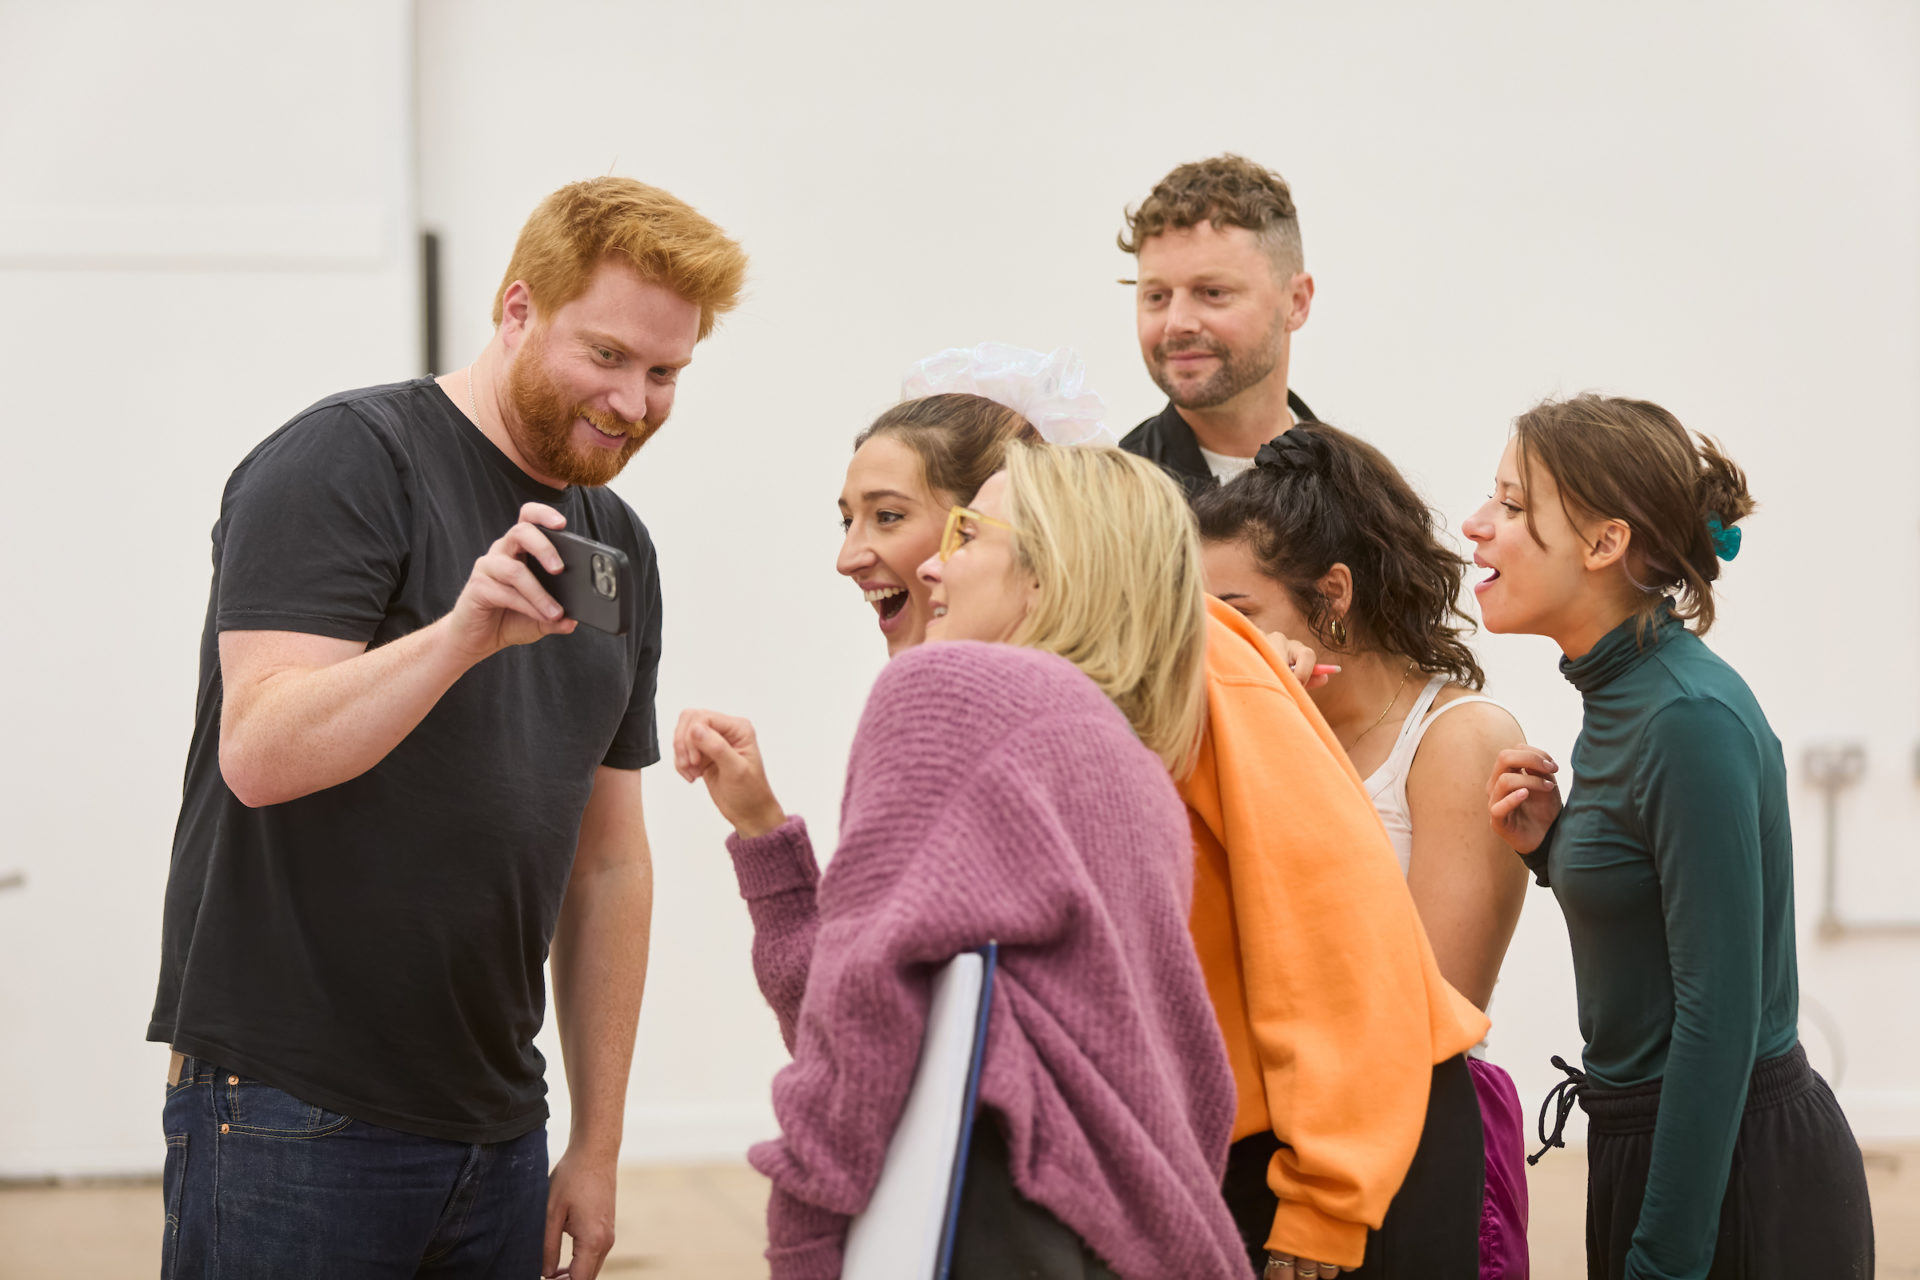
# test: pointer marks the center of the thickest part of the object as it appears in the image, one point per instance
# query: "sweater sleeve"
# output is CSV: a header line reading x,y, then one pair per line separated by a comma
x,y
919,876
779,878
1698,791
1331,947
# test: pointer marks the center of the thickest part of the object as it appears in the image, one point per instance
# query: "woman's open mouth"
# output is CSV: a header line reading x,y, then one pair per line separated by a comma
x,y
887,602
1486,582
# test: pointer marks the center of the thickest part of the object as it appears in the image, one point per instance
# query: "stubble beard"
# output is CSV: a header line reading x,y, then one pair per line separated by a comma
x,y
1237,371
544,430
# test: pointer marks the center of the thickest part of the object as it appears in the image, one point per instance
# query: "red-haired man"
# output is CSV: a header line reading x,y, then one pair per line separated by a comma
x,y
410,776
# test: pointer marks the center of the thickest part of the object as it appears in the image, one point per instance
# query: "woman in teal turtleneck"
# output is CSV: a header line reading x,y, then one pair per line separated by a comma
x,y
1713,1149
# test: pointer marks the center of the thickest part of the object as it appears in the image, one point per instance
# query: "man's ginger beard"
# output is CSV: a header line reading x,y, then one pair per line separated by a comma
x,y
546,413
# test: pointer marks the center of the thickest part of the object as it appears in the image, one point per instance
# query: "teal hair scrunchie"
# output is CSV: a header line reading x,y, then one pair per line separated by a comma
x,y
1726,542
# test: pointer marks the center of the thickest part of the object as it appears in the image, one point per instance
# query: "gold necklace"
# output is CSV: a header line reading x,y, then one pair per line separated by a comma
x,y
1404,677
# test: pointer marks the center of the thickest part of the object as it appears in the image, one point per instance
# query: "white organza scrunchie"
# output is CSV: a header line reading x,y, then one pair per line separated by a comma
x,y
1047,390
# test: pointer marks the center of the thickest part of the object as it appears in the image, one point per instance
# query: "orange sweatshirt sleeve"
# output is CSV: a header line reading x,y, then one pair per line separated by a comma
x,y
1333,1002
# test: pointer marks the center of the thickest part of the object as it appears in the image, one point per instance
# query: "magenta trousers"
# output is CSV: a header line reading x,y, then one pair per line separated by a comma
x,y
1503,1212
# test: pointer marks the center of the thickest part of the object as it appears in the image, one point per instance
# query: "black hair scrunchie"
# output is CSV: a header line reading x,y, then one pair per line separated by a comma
x,y
1296,450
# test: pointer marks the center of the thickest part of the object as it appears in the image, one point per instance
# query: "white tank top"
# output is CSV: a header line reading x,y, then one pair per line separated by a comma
x,y
1387,785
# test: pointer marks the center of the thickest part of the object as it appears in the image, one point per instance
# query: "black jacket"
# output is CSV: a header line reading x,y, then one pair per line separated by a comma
x,y
1167,439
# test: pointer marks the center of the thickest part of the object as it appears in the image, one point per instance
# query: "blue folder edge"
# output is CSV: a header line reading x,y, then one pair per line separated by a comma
x,y
990,955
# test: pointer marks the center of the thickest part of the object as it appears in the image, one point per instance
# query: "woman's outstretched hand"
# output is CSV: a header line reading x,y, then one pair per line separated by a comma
x,y
1522,797
723,750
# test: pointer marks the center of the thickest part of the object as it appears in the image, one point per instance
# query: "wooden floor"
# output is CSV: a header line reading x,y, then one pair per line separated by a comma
x,y
704,1222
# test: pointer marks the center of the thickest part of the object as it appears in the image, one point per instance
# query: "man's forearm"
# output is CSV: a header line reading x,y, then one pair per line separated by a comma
x,y
291,729
599,973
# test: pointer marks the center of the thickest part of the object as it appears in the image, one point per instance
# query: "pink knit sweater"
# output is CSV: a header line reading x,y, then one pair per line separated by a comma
x,y
995,793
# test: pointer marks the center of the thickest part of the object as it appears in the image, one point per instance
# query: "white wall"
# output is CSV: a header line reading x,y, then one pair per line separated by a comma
x,y
1710,206
205,224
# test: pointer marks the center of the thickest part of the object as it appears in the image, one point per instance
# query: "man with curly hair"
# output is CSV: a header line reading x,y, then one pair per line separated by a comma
x,y
1221,287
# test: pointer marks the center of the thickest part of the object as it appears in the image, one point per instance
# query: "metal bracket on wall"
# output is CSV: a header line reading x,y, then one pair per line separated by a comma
x,y
430,311
1833,767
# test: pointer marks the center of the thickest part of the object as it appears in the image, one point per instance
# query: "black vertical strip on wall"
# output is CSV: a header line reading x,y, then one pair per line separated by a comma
x,y
430,300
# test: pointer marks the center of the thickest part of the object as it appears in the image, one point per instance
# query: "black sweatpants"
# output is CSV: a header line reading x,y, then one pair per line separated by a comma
x,y
1432,1227
1796,1201
999,1234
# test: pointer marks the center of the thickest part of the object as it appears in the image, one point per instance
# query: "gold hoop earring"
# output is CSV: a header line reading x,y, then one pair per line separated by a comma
x,y
1337,632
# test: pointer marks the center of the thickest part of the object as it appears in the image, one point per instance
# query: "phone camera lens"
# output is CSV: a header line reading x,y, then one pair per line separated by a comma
x,y
604,582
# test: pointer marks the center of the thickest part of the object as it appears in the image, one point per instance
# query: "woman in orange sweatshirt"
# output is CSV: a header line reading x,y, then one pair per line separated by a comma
x,y
1357,1135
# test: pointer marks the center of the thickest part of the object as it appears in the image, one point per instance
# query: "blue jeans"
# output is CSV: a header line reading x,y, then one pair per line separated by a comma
x,y
262,1186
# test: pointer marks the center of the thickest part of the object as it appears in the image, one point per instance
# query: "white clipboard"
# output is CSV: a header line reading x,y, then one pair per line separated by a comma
x,y
906,1230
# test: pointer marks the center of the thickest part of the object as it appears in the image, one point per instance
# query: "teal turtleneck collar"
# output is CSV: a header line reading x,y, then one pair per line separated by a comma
x,y
1620,650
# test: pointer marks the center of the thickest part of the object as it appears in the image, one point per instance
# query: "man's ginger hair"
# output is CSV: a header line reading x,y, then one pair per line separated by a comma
x,y
662,238
1228,191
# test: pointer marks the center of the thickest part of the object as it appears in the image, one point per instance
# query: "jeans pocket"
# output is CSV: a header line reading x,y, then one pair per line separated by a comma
x,y
251,1107
192,1071
173,1181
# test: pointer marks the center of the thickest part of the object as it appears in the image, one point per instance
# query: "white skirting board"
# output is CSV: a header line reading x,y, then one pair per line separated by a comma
x,y
716,1133
1882,1115
656,1135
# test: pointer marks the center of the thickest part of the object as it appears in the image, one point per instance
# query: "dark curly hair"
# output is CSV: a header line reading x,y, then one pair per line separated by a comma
x,y
1319,497
1228,191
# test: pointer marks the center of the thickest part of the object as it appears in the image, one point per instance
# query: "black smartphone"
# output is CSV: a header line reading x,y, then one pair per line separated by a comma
x,y
595,587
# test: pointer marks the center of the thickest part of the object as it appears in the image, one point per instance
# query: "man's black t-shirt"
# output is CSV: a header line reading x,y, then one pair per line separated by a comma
x,y
1166,438
376,947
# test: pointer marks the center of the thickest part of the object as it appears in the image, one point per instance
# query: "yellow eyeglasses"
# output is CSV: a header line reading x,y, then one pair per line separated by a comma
x,y
953,537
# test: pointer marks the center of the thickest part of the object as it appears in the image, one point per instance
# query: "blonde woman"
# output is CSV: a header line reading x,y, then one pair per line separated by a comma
x,y
1008,782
